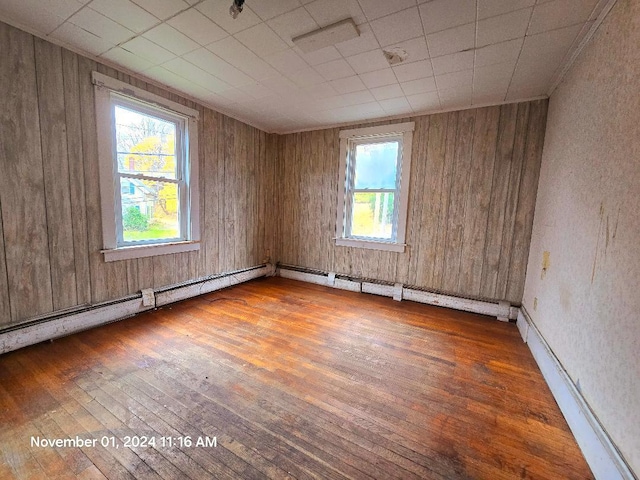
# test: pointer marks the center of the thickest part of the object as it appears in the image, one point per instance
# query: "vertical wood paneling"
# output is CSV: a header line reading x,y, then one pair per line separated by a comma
x,y
497,207
457,200
527,196
447,181
434,151
5,310
50,213
22,182
55,159
406,268
478,200
468,209
519,144
76,176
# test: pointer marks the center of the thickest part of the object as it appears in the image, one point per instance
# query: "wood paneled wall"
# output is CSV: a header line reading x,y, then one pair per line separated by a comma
x,y
472,196
50,227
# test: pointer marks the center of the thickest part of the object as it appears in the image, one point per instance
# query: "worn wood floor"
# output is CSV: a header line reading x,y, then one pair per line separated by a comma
x,y
294,381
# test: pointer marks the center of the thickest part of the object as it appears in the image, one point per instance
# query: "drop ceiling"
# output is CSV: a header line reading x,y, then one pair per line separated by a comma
x,y
460,53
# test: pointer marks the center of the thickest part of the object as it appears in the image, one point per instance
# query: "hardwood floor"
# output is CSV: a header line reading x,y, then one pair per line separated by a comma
x,y
294,381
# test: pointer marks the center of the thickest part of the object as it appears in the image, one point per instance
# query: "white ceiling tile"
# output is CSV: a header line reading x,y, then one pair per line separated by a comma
x,y
452,40
213,64
413,71
323,55
272,8
330,103
197,26
541,56
453,62
335,69
523,93
348,84
306,77
127,59
126,13
460,79
397,27
558,14
256,90
416,48
364,43
395,106
455,97
164,76
279,84
424,102
103,27
147,49
261,40
80,38
287,61
240,56
43,17
497,76
293,24
163,9
499,52
185,69
356,98
421,85
327,12
503,27
171,39
488,96
491,8
378,8
218,11
368,61
442,14
320,92
387,92
378,78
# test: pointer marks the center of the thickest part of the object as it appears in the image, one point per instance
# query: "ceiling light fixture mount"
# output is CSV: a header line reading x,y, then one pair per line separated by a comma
x,y
236,8
325,37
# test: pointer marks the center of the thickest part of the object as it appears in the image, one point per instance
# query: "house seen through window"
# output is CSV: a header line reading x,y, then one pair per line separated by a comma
x,y
150,176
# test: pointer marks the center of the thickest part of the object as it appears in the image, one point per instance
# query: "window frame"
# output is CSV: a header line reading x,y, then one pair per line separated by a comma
x,y
108,93
349,139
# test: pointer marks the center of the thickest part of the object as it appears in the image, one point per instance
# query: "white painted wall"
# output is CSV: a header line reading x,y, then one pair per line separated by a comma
x,y
586,304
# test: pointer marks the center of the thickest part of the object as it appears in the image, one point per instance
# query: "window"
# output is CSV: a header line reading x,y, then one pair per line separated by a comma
x,y
374,182
147,148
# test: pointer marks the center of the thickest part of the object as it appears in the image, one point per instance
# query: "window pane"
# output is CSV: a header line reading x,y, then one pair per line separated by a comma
x,y
149,210
372,215
146,144
376,165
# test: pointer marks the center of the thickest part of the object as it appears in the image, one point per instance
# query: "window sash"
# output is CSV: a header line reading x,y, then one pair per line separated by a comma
x,y
181,149
350,190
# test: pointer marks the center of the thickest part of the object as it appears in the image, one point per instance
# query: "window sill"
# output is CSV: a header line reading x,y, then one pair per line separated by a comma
x,y
140,251
371,245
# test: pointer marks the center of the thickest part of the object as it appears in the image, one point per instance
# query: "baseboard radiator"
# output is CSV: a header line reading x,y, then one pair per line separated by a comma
x,y
60,324
502,310
598,449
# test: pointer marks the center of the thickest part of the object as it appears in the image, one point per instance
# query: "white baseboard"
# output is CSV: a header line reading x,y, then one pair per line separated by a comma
x,y
62,324
597,448
175,294
501,310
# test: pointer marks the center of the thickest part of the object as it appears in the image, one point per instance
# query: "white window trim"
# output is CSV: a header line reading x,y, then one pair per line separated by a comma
x,y
104,86
404,129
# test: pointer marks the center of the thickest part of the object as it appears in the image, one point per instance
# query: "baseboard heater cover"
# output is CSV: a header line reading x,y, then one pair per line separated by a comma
x,y
598,449
501,310
60,324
